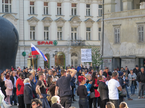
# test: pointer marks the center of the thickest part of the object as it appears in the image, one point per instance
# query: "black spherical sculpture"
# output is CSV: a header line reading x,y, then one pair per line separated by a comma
x,y
9,40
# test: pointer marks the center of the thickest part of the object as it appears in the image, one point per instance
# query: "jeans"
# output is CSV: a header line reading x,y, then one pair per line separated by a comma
x,y
95,101
83,103
115,102
127,91
66,101
132,89
14,97
141,89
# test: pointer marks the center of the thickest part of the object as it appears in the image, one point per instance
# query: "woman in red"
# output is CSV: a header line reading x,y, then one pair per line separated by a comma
x,y
20,90
94,89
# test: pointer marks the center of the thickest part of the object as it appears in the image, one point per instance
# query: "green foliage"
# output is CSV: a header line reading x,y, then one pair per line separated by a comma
x,y
96,57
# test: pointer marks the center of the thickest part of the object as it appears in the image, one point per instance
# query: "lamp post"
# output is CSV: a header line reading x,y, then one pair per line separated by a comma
x,y
55,54
102,33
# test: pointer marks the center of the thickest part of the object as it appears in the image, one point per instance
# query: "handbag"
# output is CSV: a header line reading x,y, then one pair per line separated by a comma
x,y
123,93
92,95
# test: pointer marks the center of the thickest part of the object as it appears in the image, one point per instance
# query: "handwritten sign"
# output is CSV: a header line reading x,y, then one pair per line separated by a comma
x,y
86,55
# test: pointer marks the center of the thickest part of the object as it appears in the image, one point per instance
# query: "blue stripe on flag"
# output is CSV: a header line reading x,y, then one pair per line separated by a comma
x,y
33,49
43,56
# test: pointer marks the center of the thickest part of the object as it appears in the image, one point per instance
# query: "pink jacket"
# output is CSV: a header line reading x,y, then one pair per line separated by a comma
x,y
9,86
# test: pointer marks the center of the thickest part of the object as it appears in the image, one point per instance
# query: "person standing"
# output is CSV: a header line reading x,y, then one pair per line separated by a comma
x,y
113,87
136,70
107,73
28,94
13,78
82,92
20,90
63,84
132,82
141,80
103,88
30,76
9,88
41,91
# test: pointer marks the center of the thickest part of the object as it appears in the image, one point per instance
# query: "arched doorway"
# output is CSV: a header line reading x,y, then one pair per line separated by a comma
x,y
47,64
29,61
74,59
60,59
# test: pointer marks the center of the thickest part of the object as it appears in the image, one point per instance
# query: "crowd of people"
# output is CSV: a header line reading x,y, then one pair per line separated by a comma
x,y
57,87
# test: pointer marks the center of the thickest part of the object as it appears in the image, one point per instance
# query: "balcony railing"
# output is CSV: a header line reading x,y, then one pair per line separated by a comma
x,y
77,42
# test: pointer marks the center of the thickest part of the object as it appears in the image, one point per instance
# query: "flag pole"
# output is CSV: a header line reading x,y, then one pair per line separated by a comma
x,y
33,62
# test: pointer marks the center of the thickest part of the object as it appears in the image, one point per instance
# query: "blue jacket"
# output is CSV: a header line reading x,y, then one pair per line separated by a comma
x,y
78,68
72,83
88,87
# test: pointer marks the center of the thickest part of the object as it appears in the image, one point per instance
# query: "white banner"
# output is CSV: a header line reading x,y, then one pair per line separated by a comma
x,y
86,55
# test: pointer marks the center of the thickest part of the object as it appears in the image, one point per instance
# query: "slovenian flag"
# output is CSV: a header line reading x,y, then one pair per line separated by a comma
x,y
36,51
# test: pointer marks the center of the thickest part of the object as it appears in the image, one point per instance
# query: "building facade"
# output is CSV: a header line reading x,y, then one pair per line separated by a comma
x,y
59,28
124,42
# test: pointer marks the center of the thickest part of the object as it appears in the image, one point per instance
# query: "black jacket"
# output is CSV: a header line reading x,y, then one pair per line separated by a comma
x,y
105,74
141,77
55,105
33,88
28,94
12,79
136,71
103,88
121,81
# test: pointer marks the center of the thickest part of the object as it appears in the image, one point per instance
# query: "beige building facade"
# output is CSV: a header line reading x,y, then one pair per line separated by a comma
x,y
124,33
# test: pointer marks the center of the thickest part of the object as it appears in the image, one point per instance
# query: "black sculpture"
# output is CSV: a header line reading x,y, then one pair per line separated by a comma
x,y
9,40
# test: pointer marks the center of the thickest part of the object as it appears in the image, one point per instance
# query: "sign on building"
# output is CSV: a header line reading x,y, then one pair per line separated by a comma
x,y
86,55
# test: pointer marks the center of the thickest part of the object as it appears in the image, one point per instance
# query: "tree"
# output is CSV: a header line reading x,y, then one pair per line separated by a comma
x,y
96,57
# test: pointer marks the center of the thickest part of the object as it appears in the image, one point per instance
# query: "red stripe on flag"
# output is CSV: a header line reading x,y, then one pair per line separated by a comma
x,y
35,53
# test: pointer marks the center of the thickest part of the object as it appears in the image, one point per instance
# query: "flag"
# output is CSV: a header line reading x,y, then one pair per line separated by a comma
x,y
36,51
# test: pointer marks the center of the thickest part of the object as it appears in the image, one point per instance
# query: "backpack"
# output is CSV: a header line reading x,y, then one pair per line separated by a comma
x,y
49,97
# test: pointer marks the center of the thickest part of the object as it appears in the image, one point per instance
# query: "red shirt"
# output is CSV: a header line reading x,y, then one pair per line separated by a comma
x,y
97,94
19,87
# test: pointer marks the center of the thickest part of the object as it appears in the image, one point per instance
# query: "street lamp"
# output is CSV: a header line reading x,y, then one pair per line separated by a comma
x,y
55,54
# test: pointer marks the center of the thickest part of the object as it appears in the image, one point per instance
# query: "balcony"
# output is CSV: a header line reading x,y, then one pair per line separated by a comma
x,y
77,42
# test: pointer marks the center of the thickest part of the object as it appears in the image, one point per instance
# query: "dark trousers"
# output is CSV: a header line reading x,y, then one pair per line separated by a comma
x,y
66,101
28,105
95,101
90,101
115,102
73,92
103,103
83,103
21,101
141,89
14,96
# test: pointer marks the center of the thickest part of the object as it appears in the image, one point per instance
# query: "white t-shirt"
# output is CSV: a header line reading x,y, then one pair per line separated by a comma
x,y
113,89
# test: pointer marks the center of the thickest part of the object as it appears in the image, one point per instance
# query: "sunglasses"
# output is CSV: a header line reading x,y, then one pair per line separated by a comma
x,y
33,104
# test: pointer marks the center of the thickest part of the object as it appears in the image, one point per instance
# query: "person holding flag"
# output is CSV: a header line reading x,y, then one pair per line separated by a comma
x,y
40,86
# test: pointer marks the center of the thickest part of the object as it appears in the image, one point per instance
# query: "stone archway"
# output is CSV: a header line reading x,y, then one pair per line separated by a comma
x,y
47,63
60,59
74,59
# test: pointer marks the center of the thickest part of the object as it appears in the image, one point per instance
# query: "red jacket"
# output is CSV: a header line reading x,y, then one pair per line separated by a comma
x,y
19,87
97,94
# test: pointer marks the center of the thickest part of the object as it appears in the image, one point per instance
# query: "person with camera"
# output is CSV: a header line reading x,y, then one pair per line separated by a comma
x,y
132,82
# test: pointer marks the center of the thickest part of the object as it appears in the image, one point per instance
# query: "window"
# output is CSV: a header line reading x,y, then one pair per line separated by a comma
x,y
32,32
100,11
87,9
6,6
74,9
59,33
117,34
141,33
99,34
32,8
45,8
58,8
46,33
88,33
74,33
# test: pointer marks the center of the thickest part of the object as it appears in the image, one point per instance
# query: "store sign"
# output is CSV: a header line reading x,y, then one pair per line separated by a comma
x,y
33,56
47,42
86,55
